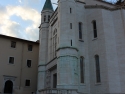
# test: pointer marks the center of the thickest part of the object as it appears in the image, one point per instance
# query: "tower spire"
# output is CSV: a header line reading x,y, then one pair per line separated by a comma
x,y
48,5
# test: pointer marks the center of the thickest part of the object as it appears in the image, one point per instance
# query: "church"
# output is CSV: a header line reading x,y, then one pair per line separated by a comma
x,y
82,48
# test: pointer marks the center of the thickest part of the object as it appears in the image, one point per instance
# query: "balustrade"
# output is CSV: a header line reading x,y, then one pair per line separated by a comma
x,y
58,91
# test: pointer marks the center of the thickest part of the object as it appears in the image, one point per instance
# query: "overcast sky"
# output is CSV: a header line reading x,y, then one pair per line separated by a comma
x,y
21,18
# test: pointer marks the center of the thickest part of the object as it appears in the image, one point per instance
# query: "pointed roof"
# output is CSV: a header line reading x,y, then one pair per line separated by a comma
x,y
48,5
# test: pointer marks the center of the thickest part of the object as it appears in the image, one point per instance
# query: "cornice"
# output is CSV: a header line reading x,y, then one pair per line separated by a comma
x,y
67,47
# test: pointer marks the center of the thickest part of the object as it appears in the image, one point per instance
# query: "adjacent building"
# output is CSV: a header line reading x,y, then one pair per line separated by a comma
x,y
82,48
18,65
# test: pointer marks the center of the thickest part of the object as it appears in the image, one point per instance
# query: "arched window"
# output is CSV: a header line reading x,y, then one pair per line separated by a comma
x,y
80,30
44,18
98,78
82,69
94,28
49,18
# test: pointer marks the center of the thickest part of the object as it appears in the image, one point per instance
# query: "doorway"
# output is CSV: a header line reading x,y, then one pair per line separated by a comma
x,y
54,80
8,88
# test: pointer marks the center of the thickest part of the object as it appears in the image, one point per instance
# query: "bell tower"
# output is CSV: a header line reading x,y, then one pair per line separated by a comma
x,y
46,13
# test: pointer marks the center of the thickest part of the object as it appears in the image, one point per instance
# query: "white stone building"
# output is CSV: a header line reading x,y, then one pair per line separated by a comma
x,y
82,48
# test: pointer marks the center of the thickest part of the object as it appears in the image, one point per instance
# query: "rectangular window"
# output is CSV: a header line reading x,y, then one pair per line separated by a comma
x,y
49,18
71,42
82,69
54,80
11,60
94,29
29,63
44,18
27,83
70,25
30,47
80,30
70,10
98,78
13,44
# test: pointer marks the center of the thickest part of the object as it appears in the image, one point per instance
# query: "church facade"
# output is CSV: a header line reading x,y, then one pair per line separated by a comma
x,y
82,48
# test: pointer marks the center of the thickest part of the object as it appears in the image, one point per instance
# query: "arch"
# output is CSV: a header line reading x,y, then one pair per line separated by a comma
x,y
8,88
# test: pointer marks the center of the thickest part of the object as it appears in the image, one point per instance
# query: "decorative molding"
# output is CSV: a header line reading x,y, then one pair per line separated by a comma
x,y
80,1
67,47
54,21
48,62
73,91
81,40
41,71
66,56
12,78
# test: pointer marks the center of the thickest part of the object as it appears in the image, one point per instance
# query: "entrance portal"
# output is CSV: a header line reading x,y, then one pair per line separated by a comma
x,y
8,88
54,80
